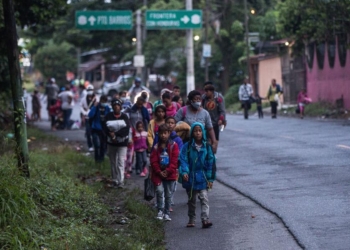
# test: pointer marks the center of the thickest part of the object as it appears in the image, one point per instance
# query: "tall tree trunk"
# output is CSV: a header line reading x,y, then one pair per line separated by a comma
x,y
16,88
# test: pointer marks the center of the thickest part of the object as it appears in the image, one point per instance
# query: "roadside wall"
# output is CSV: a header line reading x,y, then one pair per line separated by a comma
x,y
329,83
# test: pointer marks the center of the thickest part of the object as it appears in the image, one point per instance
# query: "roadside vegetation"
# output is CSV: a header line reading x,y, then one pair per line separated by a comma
x,y
321,109
66,203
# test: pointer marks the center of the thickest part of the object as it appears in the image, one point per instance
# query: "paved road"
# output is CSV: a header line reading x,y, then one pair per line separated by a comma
x,y
239,223
298,169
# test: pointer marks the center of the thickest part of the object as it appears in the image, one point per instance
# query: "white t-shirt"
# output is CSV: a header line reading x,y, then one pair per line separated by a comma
x,y
65,99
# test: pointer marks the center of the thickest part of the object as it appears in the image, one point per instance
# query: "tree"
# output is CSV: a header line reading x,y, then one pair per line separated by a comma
x,y
54,60
29,14
313,20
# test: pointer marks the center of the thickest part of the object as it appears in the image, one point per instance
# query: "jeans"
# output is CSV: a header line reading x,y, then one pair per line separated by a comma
x,y
117,157
203,197
164,189
99,141
141,160
88,133
66,117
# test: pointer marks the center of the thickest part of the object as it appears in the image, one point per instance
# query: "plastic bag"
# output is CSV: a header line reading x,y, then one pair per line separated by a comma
x,y
116,125
149,192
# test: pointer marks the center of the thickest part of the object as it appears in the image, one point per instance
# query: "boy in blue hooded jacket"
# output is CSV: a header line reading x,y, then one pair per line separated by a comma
x,y
196,168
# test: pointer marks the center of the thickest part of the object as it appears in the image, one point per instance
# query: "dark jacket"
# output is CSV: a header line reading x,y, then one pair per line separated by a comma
x,y
122,136
97,114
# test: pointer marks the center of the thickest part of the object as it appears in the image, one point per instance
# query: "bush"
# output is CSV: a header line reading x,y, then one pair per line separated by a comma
x,y
232,95
55,210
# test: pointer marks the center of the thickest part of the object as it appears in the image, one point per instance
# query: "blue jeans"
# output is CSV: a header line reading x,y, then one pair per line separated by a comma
x,y
99,141
88,133
164,189
141,160
66,117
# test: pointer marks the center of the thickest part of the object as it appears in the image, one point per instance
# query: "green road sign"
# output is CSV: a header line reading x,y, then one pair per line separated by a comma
x,y
173,19
103,20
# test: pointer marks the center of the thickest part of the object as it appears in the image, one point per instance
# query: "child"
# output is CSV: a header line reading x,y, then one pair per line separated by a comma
x,y
126,101
147,104
258,100
140,147
171,123
36,106
164,157
159,119
54,111
171,107
196,165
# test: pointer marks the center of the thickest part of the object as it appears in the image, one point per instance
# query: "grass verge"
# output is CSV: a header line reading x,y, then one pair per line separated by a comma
x,y
56,210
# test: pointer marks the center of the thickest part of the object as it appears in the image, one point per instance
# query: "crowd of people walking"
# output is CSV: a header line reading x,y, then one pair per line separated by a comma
x,y
168,141
165,140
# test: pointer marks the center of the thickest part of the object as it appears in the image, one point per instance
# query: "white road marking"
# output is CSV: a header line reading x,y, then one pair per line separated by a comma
x,y
343,146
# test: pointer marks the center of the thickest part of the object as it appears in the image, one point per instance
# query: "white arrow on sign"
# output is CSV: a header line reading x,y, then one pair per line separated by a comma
x,y
185,19
92,20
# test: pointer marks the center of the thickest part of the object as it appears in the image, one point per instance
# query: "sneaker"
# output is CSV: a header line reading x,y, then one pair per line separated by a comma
x,y
171,209
206,224
160,215
91,149
127,176
143,174
145,170
167,217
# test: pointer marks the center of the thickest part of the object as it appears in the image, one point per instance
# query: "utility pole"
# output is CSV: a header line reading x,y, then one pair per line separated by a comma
x,y
138,38
144,36
190,63
206,38
246,35
16,88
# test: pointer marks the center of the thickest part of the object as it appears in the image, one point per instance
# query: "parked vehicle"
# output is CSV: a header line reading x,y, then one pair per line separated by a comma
x,y
123,82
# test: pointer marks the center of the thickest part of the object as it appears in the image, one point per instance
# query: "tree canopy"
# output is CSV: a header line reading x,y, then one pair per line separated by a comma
x,y
48,22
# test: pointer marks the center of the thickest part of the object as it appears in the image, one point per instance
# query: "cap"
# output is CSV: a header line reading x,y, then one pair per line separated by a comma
x,y
53,79
90,87
137,79
116,101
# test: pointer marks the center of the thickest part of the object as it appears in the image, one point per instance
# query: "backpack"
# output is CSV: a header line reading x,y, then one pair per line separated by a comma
x,y
216,97
213,172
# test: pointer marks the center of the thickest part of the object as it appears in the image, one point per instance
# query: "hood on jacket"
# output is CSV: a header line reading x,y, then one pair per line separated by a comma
x,y
204,139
